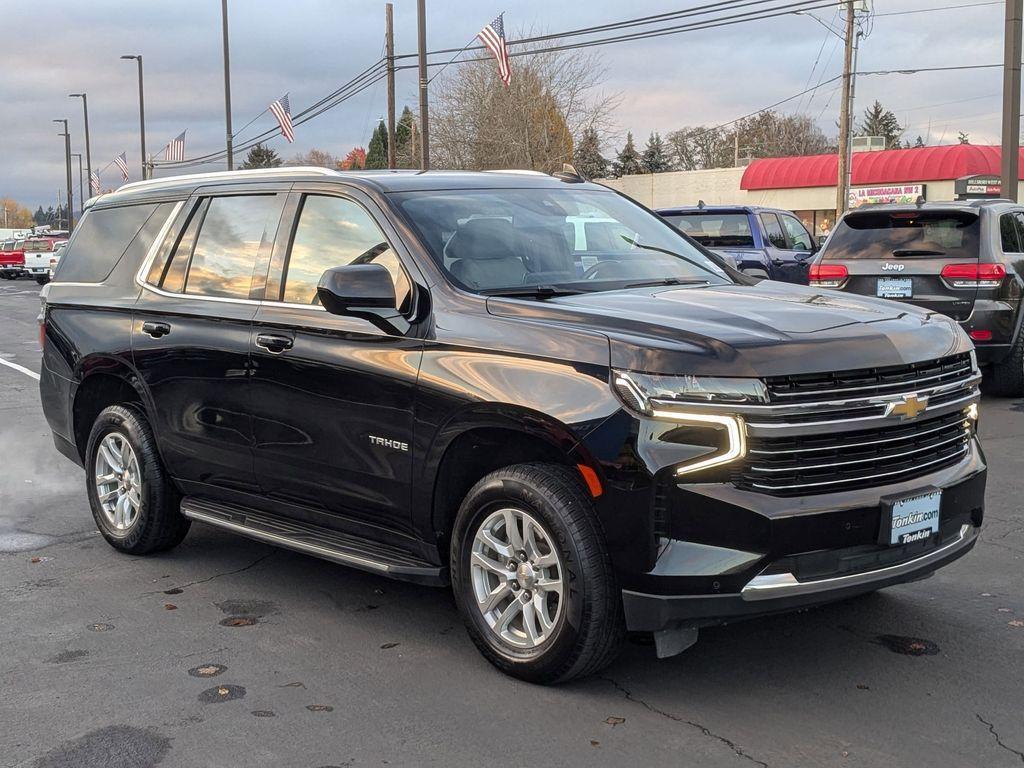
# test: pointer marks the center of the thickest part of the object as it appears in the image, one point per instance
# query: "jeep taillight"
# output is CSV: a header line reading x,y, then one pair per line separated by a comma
x,y
828,275
973,275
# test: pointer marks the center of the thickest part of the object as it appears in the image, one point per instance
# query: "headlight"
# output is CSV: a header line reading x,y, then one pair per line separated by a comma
x,y
679,399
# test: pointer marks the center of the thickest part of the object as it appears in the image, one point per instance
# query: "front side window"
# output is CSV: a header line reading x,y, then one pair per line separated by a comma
x,y
229,242
335,232
799,240
773,230
575,240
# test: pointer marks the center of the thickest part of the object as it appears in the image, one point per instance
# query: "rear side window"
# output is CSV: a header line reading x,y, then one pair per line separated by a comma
x,y
1008,233
773,230
906,234
100,240
715,230
335,232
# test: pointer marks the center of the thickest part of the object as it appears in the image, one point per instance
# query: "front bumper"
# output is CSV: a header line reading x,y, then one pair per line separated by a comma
x,y
795,556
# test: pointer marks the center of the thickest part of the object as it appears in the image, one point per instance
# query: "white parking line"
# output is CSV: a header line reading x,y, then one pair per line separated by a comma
x,y
21,368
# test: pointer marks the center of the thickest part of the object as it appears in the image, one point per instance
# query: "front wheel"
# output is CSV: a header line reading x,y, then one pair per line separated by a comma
x,y
532,576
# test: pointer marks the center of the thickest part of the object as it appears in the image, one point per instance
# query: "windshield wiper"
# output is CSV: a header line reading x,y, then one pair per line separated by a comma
x,y
669,281
917,252
636,244
532,292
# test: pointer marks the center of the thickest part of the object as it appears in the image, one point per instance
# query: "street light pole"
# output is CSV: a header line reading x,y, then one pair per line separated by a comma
x,y
421,30
67,164
81,189
227,83
142,113
88,146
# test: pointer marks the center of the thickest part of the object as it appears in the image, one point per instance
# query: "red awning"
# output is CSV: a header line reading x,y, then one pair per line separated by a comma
x,y
892,166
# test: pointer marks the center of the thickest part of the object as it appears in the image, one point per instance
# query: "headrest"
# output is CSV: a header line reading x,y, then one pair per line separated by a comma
x,y
484,239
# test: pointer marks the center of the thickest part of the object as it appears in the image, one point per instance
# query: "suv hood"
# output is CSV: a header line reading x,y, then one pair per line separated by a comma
x,y
765,329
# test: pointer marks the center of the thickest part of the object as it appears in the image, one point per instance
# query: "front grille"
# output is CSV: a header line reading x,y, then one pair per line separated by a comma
x,y
807,464
868,382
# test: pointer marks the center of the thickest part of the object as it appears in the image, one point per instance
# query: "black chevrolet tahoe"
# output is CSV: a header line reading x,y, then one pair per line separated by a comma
x,y
435,377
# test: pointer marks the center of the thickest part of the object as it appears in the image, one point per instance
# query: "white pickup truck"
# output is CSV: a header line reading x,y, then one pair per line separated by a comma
x,y
41,255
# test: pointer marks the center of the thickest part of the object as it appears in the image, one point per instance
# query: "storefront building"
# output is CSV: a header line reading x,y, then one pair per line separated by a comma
x,y
807,185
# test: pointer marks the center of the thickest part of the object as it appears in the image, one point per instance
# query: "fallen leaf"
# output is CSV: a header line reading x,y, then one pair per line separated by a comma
x,y
1004,610
862,687
296,684
613,721
37,559
223,691
386,646
595,743
170,607
1017,623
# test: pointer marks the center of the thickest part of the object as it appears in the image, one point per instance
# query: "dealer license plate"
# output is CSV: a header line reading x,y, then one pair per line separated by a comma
x,y
895,288
911,519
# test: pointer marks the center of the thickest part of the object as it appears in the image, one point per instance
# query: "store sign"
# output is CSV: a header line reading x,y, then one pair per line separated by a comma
x,y
979,185
894,193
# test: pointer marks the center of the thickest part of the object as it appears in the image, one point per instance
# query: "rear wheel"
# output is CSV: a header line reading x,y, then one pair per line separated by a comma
x,y
133,501
42,279
1007,377
532,575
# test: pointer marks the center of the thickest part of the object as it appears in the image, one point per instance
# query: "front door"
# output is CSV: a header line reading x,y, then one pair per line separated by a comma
x,y
332,396
190,339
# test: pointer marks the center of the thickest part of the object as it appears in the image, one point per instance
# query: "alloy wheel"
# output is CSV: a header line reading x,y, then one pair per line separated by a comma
x,y
118,481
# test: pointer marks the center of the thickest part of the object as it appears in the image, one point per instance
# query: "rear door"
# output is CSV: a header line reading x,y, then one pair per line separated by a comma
x,y
902,255
190,337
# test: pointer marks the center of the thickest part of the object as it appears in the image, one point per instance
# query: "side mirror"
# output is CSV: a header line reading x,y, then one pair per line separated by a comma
x,y
365,291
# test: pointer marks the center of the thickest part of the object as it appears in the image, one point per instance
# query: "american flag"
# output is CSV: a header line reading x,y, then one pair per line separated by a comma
x,y
175,149
493,36
94,183
282,110
121,161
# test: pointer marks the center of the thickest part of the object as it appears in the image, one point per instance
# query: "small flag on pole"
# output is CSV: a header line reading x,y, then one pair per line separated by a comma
x,y
121,161
493,36
282,110
175,149
94,182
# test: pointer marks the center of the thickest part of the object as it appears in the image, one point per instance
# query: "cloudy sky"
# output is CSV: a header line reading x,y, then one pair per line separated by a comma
x,y
308,47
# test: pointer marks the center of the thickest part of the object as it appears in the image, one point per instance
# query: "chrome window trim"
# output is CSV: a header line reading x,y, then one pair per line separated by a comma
x,y
775,585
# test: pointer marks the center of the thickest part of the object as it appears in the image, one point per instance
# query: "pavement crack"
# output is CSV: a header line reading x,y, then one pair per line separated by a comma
x,y
736,748
999,741
221,574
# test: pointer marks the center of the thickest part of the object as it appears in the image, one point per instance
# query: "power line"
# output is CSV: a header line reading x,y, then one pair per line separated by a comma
x,y
940,8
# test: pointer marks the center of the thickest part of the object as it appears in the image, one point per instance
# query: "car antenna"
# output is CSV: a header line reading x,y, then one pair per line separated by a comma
x,y
570,175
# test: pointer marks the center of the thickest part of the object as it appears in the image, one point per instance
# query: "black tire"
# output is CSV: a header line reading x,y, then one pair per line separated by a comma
x,y
42,279
1006,379
158,524
589,629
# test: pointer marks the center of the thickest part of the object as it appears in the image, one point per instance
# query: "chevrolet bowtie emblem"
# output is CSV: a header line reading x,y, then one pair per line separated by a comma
x,y
907,407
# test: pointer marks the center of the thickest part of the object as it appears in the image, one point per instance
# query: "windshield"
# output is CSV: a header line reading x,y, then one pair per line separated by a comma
x,y
715,230
38,245
905,234
501,240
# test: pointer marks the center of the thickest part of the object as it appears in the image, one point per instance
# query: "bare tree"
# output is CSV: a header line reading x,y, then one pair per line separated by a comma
x,y
476,122
315,157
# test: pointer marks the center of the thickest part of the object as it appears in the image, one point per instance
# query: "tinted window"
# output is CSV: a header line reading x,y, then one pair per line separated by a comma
x,y
334,232
773,230
799,240
232,233
1008,233
170,274
905,234
506,239
716,230
99,241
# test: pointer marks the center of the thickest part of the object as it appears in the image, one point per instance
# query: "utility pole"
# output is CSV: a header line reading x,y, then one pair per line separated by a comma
x,y
142,115
67,165
88,146
421,30
81,189
1011,98
227,83
845,116
389,38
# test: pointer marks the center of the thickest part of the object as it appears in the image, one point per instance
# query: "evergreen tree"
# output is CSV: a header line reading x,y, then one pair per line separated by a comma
x,y
587,158
50,217
39,217
261,157
377,154
919,142
627,163
406,153
654,158
879,121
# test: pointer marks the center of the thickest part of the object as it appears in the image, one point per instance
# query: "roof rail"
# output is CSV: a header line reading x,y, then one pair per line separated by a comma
x,y
226,175
521,171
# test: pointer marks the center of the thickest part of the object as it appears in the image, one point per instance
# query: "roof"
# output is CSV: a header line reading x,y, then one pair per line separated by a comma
x,y
714,209
381,181
891,166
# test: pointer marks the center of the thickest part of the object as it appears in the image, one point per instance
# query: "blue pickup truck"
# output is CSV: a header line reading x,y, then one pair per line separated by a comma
x,y
762,242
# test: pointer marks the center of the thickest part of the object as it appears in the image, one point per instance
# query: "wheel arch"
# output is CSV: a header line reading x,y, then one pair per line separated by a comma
x,y
103,381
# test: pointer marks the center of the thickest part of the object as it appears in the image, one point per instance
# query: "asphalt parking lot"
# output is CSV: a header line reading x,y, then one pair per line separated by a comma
x,y
227,652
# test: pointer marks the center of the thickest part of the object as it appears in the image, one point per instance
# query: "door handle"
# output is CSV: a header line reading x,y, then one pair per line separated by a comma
x,y
274,343
156,330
